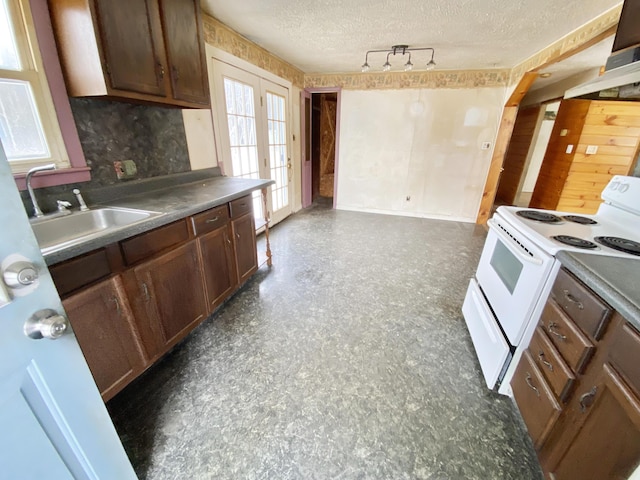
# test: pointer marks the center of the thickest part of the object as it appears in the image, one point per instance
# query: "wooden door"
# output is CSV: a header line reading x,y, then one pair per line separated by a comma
x,y
104,326
182,27
133,49
560,152
515,159
172,291
218,265
608,445
244,240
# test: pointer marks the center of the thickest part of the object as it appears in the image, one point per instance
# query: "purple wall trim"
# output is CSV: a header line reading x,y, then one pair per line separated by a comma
x,y
306,187
79,172
306,162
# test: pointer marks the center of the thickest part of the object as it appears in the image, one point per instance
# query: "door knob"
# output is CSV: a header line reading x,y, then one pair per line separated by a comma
x,y
45,323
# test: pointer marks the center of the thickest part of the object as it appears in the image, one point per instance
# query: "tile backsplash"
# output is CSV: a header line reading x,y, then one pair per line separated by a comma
x,y
153,137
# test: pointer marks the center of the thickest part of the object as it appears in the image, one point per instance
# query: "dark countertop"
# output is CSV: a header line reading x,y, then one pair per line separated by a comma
x,y
174,202
615,279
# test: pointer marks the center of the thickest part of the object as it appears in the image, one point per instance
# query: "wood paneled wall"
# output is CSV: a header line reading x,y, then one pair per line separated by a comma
x,y
517,153
574,181
614,128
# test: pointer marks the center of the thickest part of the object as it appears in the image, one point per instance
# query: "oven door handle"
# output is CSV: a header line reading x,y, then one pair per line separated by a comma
x,y
515,249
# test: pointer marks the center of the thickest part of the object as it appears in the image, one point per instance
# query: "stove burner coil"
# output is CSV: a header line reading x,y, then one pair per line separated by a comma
x,y
539,216
575,242
580,219
620,244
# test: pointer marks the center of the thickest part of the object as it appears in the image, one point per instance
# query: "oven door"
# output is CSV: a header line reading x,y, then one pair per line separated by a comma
x,y
512,272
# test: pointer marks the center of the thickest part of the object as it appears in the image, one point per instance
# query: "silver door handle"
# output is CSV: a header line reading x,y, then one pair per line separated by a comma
x,y
45,323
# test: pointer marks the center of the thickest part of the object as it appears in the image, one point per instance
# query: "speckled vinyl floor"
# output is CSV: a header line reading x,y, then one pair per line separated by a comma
x,y
349,359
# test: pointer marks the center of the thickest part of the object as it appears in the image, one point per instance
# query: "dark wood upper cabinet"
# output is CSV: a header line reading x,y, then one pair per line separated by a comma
x,y
133,49
149,51
185,50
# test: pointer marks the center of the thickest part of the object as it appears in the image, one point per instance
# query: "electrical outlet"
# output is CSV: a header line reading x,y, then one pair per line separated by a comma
x,y
125,169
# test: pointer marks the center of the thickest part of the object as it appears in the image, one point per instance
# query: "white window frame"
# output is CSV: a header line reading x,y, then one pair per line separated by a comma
x,y
33,72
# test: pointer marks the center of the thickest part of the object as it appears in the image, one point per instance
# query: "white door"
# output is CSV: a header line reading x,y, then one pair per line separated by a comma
x,y
53,422
253,114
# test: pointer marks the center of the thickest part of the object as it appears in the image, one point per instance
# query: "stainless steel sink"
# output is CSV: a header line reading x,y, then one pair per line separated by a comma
x,y
63,231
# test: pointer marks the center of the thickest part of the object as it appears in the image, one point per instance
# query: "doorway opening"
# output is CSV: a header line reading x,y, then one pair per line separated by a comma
x,y
321,117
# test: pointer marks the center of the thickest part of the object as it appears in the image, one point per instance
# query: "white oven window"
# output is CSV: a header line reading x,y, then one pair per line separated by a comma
x,y
506,265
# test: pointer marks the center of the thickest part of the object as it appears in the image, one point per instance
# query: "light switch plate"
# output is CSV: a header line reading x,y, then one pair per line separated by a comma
x,y
564,132
592,149
569,148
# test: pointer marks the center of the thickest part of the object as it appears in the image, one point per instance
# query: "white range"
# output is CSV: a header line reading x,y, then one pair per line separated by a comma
x,y
518,267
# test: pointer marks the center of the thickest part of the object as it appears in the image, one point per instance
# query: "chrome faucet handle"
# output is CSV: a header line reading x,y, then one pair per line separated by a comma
x,y
83,205
63,206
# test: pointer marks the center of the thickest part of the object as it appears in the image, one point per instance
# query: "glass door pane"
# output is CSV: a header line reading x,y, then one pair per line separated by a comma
x,y
243,143
278,159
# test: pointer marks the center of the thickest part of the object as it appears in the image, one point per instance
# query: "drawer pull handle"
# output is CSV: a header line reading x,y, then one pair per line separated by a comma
x,y
117,302
552,330
145,289
573,299
212,220
586,399
531,385
545,362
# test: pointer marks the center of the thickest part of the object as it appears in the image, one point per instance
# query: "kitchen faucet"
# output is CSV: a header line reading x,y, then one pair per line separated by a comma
x,y
30,173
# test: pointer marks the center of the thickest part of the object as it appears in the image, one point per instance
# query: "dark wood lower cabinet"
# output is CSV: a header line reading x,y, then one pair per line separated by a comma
x,y
608,444
170,289
218,265
537,403
105,328
130,302
593,431
244,241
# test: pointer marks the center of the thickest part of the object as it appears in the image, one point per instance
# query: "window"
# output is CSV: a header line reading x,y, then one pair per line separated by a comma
x,y
29,128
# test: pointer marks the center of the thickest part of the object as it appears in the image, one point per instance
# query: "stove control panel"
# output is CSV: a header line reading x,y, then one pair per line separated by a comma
x,y
624,192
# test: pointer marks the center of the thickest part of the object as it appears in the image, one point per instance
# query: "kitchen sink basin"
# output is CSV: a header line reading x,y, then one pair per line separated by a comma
x,y
63,231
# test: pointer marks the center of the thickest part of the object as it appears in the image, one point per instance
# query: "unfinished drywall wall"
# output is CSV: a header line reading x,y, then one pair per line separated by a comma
x,y
417,152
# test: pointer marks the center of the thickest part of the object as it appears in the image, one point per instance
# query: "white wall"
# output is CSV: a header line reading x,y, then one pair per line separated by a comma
x,y
422,144
539,149
201,144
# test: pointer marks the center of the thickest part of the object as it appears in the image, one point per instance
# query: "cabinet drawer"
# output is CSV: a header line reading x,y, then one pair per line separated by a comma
x,y
241,206
149,243
536,402
574,346
210,220
553,368
584,307
80,271
624,355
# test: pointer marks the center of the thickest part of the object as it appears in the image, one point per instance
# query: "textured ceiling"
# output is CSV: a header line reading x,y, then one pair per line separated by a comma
x,y
331,36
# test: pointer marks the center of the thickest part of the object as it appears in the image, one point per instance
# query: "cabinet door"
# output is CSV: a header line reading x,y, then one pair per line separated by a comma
x,y
608,445
103,324
244,240
132,44
536,402
218,265
172,291
182,26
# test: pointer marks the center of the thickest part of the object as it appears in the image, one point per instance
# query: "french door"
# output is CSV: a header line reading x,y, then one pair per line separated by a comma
x,y
253,114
